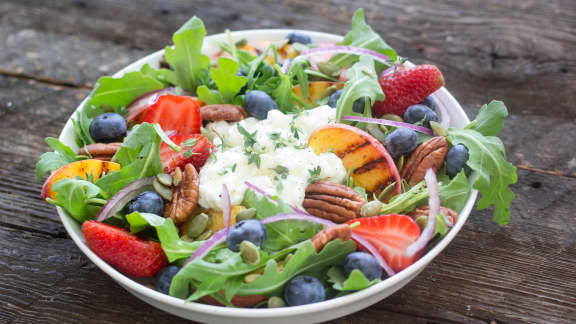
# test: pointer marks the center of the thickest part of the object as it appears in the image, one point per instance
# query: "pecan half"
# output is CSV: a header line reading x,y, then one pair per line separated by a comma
x,y
428,155
100,151
342,231
332,201
225,112
425,211
184,196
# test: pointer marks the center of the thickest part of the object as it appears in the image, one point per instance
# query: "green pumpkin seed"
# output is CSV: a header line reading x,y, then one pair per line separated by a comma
x,y
251,277
371,208
328,68
246,214
375,131
250,252
393,117
162,190
276,302
164,179
196,225
400,163
438,129
204,236
186,238
387,191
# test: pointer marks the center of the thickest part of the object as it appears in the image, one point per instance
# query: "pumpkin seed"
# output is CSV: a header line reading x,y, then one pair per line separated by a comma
x,y
176,177
196,225
387,191
438,129
251,277
371,208
162,190
375,131
393,117
204,236
186,238
400,163
250,252
246,214
164,179
275,302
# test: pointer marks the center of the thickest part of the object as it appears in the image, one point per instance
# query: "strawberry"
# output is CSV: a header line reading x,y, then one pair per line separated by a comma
x,y
391,235
407,87
174,113
127,253
195,149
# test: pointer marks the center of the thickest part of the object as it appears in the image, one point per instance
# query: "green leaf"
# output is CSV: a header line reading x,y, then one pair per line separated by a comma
x,y
362,35
495,174
362,83
490,118
281,234
227,80
52,161
119,92
185,56
73,196
356,280
455,194
166,76
282,94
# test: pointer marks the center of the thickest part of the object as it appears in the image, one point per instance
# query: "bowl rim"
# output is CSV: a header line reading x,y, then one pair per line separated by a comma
x,y
128,283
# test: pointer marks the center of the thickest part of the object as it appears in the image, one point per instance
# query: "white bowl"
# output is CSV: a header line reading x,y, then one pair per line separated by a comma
x,y
318,312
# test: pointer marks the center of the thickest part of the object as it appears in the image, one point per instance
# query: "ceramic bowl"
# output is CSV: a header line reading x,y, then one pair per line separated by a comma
x,y
318,312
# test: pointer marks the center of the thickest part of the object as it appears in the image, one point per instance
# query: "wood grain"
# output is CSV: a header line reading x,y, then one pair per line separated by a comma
x,y
519,51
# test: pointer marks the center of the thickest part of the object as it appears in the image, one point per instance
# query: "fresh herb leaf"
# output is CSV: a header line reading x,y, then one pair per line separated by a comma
x,y
314,174
282,171
52,161
274,136
253,158
74,194
356,280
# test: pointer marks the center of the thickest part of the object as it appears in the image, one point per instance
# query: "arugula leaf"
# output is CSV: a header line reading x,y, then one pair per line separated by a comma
x,y
362,83
185,56
227,80
356,280
74,196
281,234
52,161
166,76
173,246
488,160
119,92
282,94
304,260
362,35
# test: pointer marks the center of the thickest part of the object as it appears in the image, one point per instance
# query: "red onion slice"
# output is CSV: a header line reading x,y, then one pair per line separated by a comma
x,y
387,122
122,197
226,207
216,239
262,192
375,253
434,204
146,100
342,50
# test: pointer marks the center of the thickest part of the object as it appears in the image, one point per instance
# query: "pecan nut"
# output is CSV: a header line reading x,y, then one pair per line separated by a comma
x,y
425,211
184,196
428,155
225,112
332,201
100,151
342,231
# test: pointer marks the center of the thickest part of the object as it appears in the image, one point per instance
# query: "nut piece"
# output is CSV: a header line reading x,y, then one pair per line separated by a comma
x,y
225,112
425,211
184,196
342,231
100,151
332,201
429,155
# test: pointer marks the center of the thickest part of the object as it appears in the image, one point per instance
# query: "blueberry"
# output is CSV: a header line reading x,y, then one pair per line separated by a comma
x,y
147,202
258,104
456,159
333,101
108,127
417,113
164,278
298,38
430,103
247,230
401,141
302,290
364,262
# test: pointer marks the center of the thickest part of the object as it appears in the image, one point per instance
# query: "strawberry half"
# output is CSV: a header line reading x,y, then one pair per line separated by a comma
x,y
391,235
407,87
127,253
174,113
195,149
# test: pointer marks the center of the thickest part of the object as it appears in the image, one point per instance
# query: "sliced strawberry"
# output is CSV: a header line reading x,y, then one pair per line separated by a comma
x,y
174,113
391,235
407,87
127,253
195,149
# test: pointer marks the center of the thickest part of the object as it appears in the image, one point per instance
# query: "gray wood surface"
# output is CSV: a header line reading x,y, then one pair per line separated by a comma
x,y
522,52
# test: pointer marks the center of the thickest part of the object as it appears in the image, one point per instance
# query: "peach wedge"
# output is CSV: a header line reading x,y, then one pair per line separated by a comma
x,y
83,169
374,168
316,90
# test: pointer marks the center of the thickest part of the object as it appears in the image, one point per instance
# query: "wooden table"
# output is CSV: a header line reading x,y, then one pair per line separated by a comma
x,y
522,52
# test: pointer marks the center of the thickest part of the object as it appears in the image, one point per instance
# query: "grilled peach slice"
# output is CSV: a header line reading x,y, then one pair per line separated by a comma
x,y
83,169
217,222
374,168
316,90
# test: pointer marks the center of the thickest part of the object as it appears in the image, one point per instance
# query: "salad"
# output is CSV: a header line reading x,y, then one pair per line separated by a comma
x,y
273,174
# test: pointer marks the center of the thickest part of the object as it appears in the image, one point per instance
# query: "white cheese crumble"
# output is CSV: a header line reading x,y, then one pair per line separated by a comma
x,y
285,160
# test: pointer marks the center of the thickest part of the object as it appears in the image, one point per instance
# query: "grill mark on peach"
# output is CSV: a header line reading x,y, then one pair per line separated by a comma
x,y
369,165
352,148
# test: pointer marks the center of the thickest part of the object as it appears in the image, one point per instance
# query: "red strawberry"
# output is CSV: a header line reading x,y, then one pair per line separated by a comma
x,y
174,113
391,235
195,149
407,87
127,253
